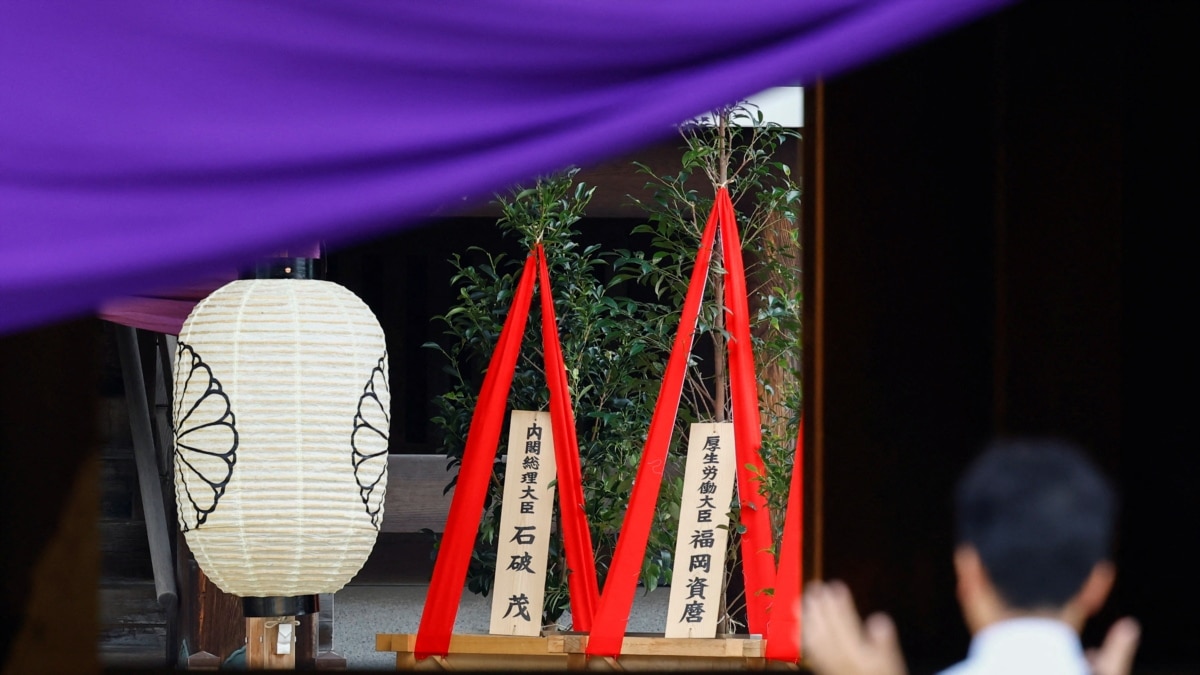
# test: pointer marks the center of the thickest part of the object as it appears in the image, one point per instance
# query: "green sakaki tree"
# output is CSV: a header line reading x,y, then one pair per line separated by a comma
x,y
616,347
735,147
613,368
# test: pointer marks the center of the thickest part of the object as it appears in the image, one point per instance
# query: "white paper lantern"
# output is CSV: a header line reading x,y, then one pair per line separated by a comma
x,y
281,431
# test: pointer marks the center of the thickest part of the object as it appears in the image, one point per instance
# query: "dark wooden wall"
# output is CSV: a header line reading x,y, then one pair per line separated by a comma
x,y
49,474
997,241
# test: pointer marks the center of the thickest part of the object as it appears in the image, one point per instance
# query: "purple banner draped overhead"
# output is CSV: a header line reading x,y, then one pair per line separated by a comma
x,y
145,144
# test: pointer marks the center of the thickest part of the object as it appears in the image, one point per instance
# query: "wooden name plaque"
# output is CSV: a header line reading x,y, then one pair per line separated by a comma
x,y
697,579
525,520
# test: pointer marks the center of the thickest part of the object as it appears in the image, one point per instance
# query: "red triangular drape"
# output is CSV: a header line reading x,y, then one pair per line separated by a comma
x,y
577,537
466,507
604,616
612,615
757,553
783,629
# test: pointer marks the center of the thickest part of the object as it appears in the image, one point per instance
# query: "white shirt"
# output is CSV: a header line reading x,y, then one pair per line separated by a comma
x,y
1026,646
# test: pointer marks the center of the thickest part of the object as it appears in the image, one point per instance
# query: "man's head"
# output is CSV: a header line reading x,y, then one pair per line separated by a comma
x,y
1039,517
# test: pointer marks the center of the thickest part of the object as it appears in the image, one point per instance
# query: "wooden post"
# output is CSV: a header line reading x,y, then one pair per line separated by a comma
x,y
264,643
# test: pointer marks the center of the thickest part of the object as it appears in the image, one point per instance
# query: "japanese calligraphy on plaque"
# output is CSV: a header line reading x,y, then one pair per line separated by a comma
x,y
698,574
525,518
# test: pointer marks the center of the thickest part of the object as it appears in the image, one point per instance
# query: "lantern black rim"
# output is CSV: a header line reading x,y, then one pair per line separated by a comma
x,y
279,605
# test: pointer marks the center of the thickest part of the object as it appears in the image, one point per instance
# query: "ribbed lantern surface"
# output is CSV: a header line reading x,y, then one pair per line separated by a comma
x,y
281,422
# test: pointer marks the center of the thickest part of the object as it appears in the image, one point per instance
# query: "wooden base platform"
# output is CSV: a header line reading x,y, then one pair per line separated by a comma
x,y
567,651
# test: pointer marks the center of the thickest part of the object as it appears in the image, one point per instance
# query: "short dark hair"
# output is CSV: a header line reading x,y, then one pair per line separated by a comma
x,y
1041,516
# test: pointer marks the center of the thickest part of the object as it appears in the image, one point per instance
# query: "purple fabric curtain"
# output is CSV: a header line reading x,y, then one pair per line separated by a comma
x,y
146,144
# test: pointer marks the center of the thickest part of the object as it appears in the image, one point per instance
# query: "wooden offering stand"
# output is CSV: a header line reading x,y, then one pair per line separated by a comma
x,y
566,651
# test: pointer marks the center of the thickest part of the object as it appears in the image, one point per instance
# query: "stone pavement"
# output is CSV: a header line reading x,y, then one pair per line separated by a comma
x,y
362,610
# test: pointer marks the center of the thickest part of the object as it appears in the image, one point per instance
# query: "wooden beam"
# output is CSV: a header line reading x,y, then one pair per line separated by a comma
x,y
145,454
559,651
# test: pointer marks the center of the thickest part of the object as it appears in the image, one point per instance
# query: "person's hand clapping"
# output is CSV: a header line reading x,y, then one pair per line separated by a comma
x,y
837,642
1115,656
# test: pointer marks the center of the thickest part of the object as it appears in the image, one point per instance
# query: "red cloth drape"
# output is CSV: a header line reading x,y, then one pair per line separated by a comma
x,y
612,615
758,558
466,507
757,554
783,629
577,538
605,615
